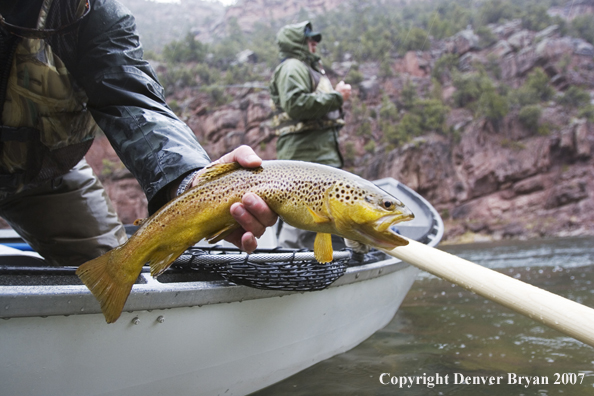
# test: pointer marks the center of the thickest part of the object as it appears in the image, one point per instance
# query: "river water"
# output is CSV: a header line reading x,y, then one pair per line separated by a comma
x,y
443,330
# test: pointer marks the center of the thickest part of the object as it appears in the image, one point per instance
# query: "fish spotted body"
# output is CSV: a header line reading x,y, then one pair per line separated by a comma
x,y
309,196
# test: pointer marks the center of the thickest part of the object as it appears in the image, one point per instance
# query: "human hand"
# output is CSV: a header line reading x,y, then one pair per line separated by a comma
x,y
252,213
344,89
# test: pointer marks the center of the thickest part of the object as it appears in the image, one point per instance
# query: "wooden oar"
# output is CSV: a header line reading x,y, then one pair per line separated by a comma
x,y
564,315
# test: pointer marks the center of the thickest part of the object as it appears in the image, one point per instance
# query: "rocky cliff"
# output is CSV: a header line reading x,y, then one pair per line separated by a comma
x,y
488,182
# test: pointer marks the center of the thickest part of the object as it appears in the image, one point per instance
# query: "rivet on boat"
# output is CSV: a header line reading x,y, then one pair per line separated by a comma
x,y
136,321
161,319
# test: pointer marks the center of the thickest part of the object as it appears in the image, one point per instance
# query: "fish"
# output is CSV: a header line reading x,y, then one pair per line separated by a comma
x,y
306,195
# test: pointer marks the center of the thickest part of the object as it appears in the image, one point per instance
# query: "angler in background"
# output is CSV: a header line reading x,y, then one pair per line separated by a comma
x,y
68,70
307,111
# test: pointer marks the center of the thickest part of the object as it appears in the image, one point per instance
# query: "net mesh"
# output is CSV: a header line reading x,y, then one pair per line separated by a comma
x,y
278,269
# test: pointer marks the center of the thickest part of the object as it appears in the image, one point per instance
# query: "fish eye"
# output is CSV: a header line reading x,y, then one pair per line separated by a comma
x,y
388,204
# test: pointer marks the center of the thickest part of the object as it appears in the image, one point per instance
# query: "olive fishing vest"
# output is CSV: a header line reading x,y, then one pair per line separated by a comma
x,y
283,124
46,127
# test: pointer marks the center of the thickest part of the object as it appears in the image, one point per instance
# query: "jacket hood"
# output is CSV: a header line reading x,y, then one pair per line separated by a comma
x,y
292,43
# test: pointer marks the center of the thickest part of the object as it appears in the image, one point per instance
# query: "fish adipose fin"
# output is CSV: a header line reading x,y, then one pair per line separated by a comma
x,y
222,234
111,291
323,248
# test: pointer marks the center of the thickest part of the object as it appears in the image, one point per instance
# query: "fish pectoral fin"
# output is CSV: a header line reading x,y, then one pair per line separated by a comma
x,y
318,218
216,170
222,234
162,259
323,248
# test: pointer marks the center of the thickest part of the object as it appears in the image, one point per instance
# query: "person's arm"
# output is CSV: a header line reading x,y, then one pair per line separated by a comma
x,y
128,103
295,94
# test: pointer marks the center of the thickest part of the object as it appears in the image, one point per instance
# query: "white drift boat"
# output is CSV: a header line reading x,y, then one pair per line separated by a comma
x,y
190,332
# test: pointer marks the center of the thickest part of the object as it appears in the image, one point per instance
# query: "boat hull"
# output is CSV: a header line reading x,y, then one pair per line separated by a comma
x,y
228,348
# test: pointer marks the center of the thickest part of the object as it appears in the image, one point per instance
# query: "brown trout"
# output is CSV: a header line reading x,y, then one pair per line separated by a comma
x,y
309,196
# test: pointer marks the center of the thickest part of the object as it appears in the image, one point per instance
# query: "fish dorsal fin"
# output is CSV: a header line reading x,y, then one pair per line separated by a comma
x,y
318,218
323,248
215,170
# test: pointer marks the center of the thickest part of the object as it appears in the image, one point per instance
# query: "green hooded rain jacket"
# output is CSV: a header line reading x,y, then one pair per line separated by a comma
x,y
292,90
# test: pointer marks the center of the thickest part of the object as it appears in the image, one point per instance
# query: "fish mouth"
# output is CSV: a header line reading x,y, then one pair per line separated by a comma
x,y
380,234
384,223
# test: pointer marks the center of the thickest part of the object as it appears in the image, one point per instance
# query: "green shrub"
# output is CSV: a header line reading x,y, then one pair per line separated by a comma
x,y
538,81
536,18
177,76
349,151
354,76
493,66
385,70
217,95
388,111
415,39
364,129
493,106
529,117
433,114
495,11
574,98
208,75
444,66
370,147
185,50
358,109
583,26
535,89
409,127
408,95
486,36
587,112
469,87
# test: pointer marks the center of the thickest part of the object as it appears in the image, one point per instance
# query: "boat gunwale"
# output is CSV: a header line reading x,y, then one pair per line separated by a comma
x,y
60,300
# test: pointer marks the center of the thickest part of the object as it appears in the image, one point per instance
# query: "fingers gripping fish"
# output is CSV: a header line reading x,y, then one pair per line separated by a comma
x,y
309,196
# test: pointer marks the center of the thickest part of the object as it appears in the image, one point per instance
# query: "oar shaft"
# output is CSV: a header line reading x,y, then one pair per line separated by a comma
x,y
557,312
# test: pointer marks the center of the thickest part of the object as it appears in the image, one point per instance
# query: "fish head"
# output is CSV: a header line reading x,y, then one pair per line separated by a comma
x,y
365,213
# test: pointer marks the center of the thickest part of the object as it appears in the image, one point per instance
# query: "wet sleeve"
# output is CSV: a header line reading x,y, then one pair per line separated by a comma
x,y
295,93
128,103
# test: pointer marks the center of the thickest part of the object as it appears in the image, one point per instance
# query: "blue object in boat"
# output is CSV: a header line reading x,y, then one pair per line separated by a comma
x,y
19,245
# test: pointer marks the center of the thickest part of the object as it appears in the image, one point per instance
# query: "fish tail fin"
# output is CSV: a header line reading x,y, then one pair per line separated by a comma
x,y
111,288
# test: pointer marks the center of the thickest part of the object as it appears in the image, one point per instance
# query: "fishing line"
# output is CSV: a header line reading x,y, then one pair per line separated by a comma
x,y
429,31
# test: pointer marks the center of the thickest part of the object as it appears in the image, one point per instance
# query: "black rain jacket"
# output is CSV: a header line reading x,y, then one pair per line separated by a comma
x,y
104,55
